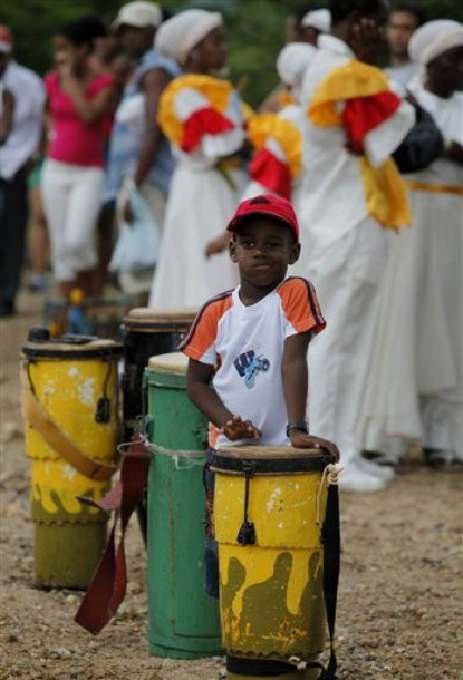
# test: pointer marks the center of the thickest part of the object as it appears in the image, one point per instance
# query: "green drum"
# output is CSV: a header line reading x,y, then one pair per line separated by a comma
x,y
183,622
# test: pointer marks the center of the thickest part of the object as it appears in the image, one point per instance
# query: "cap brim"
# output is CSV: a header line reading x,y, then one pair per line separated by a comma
x,y
235,223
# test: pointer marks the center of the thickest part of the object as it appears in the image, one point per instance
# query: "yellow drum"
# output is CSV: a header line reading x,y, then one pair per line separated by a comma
x,y
269,508
70,402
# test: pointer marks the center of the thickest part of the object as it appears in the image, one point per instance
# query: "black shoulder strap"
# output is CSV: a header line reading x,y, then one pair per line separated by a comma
x,y
332,545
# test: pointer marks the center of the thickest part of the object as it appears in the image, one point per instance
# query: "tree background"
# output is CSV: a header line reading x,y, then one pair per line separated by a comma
x,y
255,30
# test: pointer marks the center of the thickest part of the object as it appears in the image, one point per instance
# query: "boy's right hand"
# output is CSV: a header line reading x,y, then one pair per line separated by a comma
x,y
237,428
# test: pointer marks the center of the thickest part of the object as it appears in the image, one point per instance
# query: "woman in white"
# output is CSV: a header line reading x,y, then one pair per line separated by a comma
x,y
201,116
277,141
276,137
415,382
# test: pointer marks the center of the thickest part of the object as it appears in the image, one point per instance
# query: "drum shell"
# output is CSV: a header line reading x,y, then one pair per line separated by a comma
x,y
183,622
146,336
67,382
271,592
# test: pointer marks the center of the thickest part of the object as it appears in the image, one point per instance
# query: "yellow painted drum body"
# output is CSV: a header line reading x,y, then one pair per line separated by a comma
x,y
70,394
271,590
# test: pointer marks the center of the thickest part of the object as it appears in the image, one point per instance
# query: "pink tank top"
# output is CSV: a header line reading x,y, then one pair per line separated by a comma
x,y
72,140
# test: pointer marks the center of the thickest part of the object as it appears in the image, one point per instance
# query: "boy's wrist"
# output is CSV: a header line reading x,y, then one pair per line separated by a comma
x,y
297,426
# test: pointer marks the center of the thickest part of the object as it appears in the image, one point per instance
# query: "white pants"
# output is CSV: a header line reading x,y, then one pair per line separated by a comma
x,y
71,197
346,275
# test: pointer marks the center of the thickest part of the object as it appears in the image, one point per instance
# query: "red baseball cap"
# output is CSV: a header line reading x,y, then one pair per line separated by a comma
x,y
269,204
6,41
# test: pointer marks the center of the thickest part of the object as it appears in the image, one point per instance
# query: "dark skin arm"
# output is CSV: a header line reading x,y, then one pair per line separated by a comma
x,y
89,110
454,152
295,377
153,83
201,393
6,119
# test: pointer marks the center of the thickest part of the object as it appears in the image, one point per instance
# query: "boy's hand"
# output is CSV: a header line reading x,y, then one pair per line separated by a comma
x,y
300,440
237,428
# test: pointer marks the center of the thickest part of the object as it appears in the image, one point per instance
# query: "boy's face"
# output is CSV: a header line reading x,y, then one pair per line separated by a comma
x,y
263,249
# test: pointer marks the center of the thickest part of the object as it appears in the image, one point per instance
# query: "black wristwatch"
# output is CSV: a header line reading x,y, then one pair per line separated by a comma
x,y
300,425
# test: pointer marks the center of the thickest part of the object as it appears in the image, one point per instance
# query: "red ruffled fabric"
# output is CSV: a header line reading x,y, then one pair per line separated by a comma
x,y
206,121
363,114
269,171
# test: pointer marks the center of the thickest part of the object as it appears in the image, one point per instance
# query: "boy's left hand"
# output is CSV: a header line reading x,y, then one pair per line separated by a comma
x,y
300,440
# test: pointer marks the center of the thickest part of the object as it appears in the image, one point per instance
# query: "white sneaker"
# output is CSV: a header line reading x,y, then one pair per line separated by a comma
x,y
357,481
385,472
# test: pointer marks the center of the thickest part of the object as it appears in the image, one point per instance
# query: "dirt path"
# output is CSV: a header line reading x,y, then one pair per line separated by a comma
x,y
400,603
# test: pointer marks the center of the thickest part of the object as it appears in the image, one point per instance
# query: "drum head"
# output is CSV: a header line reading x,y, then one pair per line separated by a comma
x,y
261,460
174,363
73,347
146,320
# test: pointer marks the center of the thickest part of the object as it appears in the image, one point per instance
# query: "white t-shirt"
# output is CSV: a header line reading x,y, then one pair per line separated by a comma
x,y
29,99
245,344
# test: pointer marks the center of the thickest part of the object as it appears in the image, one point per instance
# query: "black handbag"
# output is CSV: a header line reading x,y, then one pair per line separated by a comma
x,y
422,144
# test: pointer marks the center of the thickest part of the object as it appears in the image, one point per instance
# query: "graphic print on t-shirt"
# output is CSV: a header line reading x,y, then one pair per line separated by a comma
x,y
249,366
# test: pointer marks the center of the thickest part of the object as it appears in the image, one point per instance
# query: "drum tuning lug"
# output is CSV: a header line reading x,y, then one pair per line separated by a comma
x,y
247,534
248,468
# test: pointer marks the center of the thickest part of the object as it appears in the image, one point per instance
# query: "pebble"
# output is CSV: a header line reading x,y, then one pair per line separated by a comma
x,y
11,431
63,653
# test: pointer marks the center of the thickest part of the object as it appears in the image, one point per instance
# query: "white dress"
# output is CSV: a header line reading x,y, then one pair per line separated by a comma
x,y
415,381
343,254
201,202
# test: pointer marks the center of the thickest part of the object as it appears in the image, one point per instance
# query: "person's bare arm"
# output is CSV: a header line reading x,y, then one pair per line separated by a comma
x,y
154,82
206,400
89,110
295,378
6,119
454,152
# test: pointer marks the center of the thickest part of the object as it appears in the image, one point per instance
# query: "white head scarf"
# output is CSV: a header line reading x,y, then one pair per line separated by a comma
x,y
292,62
433,38
177,36
319,19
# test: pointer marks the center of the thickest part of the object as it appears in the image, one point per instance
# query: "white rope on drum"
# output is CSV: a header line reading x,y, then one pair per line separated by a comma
x,y
331,475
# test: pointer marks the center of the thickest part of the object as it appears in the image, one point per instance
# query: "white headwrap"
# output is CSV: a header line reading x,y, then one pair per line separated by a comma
x,y
292,62
433,38
319,19
177,36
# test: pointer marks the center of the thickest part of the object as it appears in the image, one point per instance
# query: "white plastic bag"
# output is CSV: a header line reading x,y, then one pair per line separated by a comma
x,y
139,243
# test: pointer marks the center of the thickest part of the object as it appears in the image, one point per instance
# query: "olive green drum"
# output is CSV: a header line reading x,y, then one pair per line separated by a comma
x,y
183,622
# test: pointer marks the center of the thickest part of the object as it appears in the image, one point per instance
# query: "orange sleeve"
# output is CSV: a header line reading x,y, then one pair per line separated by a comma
x,y
199,344
300,306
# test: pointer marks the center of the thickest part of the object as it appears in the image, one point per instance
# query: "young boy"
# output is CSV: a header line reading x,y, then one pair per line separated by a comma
x,y
248,370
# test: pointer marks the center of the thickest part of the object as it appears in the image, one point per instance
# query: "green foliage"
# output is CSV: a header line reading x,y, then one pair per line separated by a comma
x,y
255,29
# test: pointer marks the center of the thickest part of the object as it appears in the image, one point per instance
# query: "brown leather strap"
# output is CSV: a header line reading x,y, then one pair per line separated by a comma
x,y
108,586
41,421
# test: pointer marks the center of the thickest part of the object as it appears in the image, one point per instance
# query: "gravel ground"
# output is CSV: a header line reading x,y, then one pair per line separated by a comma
x,y
400,603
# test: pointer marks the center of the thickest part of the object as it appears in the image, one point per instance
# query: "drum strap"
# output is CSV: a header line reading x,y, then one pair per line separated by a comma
x,y
41,421
108,586
332,549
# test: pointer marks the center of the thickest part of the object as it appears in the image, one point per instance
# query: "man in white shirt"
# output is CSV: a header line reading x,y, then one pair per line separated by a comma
x,y
350,191
404,19
18,146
